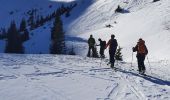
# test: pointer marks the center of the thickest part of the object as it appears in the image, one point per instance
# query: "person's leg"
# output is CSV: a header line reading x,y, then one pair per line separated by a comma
x,y
139,63
102,52
142,64
112,60
110,56
94,51
89,52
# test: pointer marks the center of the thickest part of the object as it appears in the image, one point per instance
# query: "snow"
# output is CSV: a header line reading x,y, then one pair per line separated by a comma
x,y
2,48
40,37
145,19
37,76
59,77
40,40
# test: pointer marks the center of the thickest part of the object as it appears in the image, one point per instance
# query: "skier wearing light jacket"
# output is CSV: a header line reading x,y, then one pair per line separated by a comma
x,y
142,51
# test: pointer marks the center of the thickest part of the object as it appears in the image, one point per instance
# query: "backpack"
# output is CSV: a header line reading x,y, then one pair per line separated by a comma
x,y
103,43
141,48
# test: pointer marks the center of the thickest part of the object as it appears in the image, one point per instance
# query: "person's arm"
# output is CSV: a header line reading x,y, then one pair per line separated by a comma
x,y
88,41
116,43
94,41
108,43
146,50
135,48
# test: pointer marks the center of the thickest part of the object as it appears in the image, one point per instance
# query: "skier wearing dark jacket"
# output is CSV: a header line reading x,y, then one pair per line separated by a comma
x,y
102,47
91,43
112,43
142,51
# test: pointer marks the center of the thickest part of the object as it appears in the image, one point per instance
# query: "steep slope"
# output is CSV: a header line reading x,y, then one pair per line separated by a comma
x,y
148,20
16,10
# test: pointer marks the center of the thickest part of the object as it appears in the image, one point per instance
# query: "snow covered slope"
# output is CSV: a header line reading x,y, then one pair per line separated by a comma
x,y
145,19
16,10
148,20
54,77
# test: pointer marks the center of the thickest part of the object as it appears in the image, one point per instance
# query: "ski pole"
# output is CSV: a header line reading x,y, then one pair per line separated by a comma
x,y
100,62
149,65
132,59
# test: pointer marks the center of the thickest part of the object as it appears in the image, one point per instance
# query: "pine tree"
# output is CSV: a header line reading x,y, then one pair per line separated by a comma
x,y
118,54
25,36
32,24
41,21
31,20
57,37
37,23
14,42
3,34
67,14
22,25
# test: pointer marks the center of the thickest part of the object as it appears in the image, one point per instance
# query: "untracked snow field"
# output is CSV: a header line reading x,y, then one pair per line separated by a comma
x,y
59,77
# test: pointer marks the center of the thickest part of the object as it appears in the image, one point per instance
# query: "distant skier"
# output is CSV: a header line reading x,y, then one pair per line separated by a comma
x,y
142,51
91,43
112,43
102,47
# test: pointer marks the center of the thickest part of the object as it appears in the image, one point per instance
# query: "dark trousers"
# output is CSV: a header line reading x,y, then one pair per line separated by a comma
x,y
141,59
112,57
102,51
89,52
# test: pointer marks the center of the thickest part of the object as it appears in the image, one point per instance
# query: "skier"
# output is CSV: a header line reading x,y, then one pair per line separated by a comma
x,y
112,43
102,47
91,43
142,51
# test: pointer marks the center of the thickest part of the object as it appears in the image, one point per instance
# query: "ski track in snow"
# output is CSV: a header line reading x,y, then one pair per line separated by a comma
x,y
59,76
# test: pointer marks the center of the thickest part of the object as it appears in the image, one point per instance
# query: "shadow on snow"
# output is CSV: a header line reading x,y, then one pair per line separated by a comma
x,y
150,78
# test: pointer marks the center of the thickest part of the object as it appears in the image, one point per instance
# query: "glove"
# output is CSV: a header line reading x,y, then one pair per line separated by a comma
x,y
133,49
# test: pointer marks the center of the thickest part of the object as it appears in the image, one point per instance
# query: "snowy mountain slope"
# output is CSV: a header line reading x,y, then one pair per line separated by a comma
x,y
40,40
15,10
54,77
145,19
2,48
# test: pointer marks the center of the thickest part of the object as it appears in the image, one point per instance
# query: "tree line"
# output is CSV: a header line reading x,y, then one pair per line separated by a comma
x,y
15,37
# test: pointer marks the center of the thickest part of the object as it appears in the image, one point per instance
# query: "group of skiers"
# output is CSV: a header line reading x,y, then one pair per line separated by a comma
x,y
140,48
